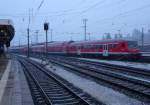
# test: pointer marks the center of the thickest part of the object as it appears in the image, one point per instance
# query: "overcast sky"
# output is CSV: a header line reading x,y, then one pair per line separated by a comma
x,y
65,17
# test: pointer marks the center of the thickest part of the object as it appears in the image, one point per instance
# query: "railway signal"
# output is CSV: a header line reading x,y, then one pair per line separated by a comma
x,y
46,27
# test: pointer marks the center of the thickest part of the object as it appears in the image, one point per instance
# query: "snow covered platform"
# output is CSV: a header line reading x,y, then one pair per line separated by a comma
x,y
122,63
145,53
101,93
14,89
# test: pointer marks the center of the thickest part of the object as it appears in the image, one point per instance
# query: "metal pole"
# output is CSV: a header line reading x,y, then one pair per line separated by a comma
x,y
142,37
119,34
19,43
46,43
85,28
28,43
46,27
37,36
51,35
28,37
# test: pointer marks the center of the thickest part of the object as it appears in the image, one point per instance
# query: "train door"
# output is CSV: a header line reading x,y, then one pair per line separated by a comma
x,y
105,50
64,49
79,50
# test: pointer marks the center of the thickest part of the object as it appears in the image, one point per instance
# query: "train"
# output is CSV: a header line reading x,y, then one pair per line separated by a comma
x,y
7,33
99,48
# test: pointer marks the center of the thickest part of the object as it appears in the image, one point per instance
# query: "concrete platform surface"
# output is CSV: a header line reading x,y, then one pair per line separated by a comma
x,y
16,91
3,65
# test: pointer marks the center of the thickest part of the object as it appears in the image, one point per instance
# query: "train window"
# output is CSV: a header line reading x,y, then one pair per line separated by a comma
x,y
114,45
85,47
103,47
90,46
99,46
132,44
82,47
96,46
109,46
79,47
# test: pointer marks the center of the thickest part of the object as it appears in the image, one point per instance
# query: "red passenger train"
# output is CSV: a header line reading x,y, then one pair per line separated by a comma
x,y
109,48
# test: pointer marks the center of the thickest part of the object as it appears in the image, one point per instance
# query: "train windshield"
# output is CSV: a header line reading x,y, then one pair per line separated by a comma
x,y
132,44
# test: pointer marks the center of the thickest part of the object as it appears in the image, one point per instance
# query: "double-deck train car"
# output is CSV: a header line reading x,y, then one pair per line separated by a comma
x,y
109,48
104,48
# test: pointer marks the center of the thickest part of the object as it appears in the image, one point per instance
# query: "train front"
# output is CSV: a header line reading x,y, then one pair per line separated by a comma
x,y
7,32
133,49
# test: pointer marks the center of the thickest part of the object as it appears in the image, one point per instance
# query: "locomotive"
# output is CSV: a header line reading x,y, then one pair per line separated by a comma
x,y
7,32
105,49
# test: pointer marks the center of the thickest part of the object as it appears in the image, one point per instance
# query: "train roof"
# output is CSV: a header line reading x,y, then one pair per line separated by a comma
x,y
6,22
8,27
99,41
61,43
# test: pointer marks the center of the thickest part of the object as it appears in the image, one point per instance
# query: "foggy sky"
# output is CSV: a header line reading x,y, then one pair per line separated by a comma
x,y
65,17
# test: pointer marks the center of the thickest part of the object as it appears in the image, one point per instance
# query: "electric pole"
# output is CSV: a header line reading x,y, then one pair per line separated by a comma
x,y
142,37
28,31
28,37
119,34
19,43
85,28
37,31
51,34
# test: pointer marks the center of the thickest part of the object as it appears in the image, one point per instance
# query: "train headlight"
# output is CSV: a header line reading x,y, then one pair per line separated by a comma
x,y
2,30
5,34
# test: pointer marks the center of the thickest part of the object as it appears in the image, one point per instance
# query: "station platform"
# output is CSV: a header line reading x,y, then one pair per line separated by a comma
x,y
14,89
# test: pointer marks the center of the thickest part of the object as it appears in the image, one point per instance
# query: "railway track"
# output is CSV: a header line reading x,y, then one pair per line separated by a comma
x,y
138,72
49,89
126,81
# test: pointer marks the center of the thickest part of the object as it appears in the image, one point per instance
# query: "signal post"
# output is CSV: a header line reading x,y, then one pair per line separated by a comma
x,y
46,27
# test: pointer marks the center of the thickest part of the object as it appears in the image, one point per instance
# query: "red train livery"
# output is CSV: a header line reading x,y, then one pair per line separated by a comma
x,y
110,48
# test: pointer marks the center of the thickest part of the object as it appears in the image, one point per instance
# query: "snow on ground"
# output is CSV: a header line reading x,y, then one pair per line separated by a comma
x,y
101,93
122,63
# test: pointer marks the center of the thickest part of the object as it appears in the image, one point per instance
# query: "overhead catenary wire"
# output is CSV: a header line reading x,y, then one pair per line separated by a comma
x,y
40,5
58,13
70,12
124,13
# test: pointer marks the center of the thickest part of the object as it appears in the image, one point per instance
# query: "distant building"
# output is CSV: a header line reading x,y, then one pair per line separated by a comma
x,y
137,35
147,38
